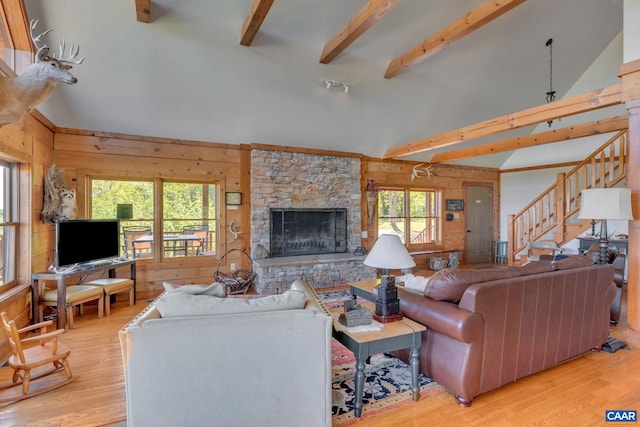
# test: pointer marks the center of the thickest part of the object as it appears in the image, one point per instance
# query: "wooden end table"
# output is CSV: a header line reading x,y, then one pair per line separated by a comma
x,y
393,336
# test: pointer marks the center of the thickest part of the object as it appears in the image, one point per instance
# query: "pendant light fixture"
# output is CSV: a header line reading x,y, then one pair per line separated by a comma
x,y
551,94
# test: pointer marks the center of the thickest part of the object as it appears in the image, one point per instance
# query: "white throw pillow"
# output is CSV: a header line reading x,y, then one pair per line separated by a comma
x,y
179,304
415,283
215,289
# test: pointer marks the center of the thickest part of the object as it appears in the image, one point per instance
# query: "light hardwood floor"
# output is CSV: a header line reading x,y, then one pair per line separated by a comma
x,y
575,393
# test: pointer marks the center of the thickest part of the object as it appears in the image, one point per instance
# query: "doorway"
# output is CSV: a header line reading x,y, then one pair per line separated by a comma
x,y
478,224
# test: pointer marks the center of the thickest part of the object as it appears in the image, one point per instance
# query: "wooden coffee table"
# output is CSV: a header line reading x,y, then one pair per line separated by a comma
x,y
393,336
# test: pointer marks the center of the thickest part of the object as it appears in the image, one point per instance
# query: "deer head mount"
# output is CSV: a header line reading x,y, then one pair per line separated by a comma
x,y
20,95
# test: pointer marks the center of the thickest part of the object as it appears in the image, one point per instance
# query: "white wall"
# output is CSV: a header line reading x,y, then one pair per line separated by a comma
x,y
631,30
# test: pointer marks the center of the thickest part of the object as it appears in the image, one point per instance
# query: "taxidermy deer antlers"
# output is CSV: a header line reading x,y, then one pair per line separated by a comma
x,y
419,170
19,95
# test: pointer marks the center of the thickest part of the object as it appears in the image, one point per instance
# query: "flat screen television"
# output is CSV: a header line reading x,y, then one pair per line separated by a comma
x,y
83,241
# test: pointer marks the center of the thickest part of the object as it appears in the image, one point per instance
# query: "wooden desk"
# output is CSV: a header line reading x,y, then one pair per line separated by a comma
x,y
61,281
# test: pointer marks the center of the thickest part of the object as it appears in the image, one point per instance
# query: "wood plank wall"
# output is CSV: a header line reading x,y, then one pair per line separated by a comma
x,y
452,180
28,142
88,154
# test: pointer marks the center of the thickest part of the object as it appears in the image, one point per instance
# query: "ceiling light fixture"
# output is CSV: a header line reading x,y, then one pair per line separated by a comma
x,y
551,94
331,84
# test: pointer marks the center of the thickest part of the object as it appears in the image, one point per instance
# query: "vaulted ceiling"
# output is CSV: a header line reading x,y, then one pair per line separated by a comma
x,y
243,71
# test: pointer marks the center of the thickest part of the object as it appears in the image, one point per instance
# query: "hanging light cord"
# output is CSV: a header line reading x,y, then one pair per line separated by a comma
x,y
551,95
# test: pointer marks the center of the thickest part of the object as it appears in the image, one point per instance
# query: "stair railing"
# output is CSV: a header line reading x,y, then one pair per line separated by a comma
x,y
605,167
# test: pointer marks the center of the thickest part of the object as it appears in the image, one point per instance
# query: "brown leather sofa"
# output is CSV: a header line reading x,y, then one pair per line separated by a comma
x,y
490,327
618,260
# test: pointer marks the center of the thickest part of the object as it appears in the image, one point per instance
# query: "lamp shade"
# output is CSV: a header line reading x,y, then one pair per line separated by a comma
x,y
606,203
389,253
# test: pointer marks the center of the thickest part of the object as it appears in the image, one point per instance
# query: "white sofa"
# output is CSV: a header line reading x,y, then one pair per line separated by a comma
x,y
269,368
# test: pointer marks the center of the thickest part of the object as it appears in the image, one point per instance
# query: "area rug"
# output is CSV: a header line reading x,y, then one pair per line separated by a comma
x,y
332,298
387,382
387,385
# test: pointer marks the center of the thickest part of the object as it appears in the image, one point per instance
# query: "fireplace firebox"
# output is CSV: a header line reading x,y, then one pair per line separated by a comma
x,y
308,231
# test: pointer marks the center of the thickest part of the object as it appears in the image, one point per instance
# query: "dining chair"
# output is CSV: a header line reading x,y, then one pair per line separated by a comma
x,y
138,249
26,357
200,230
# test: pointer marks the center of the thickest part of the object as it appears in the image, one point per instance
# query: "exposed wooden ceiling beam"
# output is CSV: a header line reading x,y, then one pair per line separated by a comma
x,y
478,17
253,21
611,124
599,98
14,19
361,22
143,11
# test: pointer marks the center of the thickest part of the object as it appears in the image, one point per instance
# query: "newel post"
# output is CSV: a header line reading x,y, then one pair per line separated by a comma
x,y
560,207
511,241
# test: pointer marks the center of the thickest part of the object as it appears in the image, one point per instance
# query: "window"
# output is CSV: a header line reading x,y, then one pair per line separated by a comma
x,y
188,221
413,213
189,214
8,222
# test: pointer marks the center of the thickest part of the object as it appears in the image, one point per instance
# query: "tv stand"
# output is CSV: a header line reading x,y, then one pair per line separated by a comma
x,y
61,280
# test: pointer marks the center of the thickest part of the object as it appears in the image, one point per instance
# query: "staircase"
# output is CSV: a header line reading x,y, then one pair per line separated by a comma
x,y
553,215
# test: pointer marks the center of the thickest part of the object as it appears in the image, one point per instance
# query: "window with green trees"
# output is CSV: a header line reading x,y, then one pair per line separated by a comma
x,y
188,220
412,213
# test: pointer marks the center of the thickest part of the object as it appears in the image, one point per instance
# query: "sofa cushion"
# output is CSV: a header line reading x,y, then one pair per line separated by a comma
x,y
215,289
449,285
179,304
535,267
574,261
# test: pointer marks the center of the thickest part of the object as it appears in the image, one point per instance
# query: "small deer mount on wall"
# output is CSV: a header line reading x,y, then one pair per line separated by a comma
x,y
59,202
20,95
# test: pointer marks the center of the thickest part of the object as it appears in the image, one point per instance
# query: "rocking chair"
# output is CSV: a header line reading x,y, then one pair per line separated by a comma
x,y
24,360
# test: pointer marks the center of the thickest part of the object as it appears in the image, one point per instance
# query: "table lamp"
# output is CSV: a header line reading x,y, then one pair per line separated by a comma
x,y
388,253
604,204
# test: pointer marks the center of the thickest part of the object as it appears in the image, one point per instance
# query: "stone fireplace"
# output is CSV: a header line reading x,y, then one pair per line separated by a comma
x,y
284,181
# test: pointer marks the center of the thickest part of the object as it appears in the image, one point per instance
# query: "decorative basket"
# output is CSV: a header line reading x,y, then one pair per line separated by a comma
x,y
438,263
235,282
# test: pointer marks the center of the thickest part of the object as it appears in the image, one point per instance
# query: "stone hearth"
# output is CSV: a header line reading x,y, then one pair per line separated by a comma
x,y
321,271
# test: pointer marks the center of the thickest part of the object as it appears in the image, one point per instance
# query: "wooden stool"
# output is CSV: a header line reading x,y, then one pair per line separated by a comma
x,y
76,295
112,286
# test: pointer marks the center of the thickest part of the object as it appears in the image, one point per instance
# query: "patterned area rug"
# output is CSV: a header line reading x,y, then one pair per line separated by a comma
x,y
332,298
387,379
387,385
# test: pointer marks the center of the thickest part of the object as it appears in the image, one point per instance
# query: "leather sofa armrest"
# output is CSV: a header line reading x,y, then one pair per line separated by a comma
x,y
441,316
618,265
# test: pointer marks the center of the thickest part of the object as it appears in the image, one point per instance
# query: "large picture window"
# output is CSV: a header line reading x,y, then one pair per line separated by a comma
x,y
8,222
413,215
187,223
